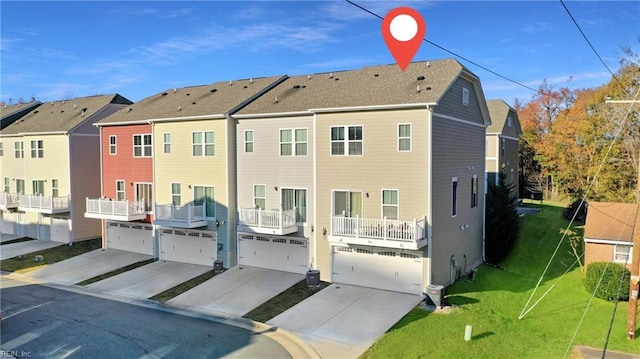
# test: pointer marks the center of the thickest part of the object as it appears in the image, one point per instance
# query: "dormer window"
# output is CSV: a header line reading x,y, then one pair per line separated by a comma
x,y
465,96
509,121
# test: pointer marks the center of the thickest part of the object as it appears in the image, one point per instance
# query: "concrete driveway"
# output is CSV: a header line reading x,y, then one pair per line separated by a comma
x,y
87,265
15,249
343,321
151,279
8,237
236,291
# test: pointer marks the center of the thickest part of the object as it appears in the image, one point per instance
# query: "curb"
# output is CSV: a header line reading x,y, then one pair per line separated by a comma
x,y
293,344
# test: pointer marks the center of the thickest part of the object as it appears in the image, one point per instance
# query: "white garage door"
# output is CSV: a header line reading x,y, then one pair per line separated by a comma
x,y
9,222
383,268
195,247
60,229
130,237
274,252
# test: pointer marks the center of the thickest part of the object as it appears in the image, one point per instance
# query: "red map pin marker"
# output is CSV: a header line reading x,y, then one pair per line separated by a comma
x,y
403,30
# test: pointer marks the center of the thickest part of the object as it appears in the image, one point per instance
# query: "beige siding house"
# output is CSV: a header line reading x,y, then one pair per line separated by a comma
x,y
392,169
51,164
503,138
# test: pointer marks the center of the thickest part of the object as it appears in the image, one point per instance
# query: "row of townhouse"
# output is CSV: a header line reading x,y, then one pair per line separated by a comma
x,y
370,176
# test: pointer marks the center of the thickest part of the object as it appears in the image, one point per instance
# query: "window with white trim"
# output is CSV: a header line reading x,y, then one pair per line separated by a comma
x,y
203,143
205,195
18,146
54,188
404,137
248,141
166,142
346,140
295,198
293,142
465,96
474,191
622,253
120,196
142,146
1,149
390,203
7,185
38,187
37,149
259,196
113,148
176,196
20,185
454,196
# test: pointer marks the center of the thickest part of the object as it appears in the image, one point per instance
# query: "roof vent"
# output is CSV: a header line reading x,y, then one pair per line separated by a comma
x,y
63,102
337,78
428,88
61,111
420,78
296,86
84,109
376,75
82,113
418,89
251,80
230,82
36,111
179,108
175,90
129,109
245,86
330,75
188,94
75,106
308,77
428,64
213,90
193,103
163,94
276,99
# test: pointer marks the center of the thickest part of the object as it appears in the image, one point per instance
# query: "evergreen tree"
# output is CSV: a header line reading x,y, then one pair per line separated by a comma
x,y
501,223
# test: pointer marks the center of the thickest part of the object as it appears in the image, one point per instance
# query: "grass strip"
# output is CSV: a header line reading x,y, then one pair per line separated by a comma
x,y
50,256
116,272
183,287
17,240
283,301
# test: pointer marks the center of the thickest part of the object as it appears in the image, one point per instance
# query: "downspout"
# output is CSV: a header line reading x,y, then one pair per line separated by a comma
x,y
429,229
156,237
102,221
70,196
314,247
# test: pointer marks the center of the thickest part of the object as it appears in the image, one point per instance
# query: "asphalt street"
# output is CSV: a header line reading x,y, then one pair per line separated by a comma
x,y
44,322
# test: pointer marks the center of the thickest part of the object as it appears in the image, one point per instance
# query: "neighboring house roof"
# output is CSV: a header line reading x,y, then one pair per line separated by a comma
x,y
211,100
610,221
386,85
10,113
499,112
62,116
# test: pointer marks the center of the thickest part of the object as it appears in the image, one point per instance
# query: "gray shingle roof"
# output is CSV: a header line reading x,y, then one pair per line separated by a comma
x,y
214,99
369,86
10,113
62,115
499,111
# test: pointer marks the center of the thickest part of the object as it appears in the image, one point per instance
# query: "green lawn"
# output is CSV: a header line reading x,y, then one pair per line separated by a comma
x,y
493,302
51,255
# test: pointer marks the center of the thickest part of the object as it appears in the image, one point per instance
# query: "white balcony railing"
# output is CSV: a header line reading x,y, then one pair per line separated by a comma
x,y
379,231
9,200
44,204
268,221
189,216
105,208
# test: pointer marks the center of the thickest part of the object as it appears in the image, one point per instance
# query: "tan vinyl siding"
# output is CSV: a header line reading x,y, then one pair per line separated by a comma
x,y
457,152
380,167
85,181
54,164
11,167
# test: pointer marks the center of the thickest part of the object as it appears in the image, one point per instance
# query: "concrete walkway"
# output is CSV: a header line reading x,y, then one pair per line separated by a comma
x,y
8,237
151,279
87,265
236,291
343,321
16,249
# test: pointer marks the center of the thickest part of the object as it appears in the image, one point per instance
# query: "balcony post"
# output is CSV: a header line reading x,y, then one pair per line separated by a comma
x,y
415,230
259,217
384,228
357,226
189,208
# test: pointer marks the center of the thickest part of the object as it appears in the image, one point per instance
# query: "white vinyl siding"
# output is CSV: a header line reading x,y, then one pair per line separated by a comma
x,y
404,137
297,198
349,145
390,207
142,146
37,149
259,196
120,195
203,143
113,146
248,141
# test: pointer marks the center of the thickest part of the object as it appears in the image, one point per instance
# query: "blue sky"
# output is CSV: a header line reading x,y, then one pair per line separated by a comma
x,y
56,50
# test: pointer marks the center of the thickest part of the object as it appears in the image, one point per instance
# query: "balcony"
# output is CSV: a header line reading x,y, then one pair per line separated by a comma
x,y
43,204
384,232
105,208
256,220
9,201
189,216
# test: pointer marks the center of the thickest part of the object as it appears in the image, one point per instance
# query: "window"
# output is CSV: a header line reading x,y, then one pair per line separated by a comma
x,y
390,203
19,149
37,149
144,194
295,198
54,188
175,194
259,196
20,186
166,142
351,145
6,184
113,148
454,196
205,195
120,190
203,143
293,142
1,149
142,146
38,187
474,191
404,137
347,204
248,141
286,143
509,121
622,253
465,96
301,141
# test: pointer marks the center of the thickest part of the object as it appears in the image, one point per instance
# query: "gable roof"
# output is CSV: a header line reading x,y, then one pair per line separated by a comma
x,y
499,112
10,113
181,103
610,221
422,82
62,116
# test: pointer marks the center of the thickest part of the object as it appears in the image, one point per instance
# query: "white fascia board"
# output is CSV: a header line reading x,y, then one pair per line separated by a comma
x,y
607,241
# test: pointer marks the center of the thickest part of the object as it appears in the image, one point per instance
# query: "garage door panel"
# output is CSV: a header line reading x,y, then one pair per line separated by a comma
x,y
60,229
136,238
272,252
195,247
382,268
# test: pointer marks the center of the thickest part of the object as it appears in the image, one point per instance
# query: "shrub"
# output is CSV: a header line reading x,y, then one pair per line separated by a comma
x,y
608,288
570,211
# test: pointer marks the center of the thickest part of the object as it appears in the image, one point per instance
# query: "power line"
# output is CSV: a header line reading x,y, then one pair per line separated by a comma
x,y
464,58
